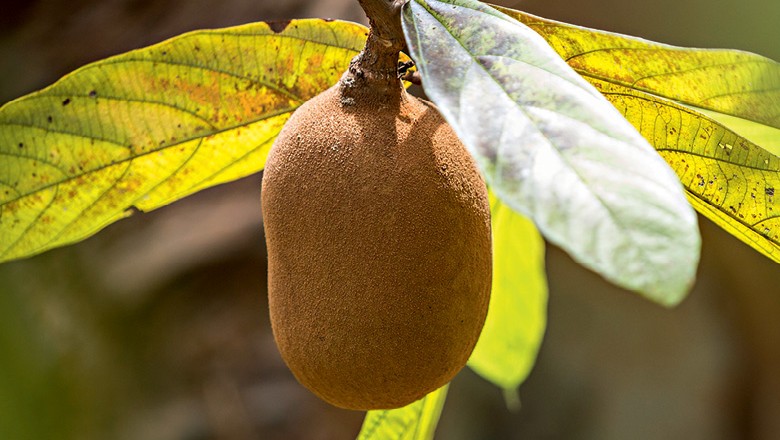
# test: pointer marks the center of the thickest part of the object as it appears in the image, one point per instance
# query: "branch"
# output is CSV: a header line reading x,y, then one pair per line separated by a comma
x,y
378,62
384,17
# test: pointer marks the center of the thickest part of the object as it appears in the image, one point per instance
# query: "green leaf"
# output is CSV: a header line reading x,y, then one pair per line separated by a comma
x,y
507,348
416,421
145,128
732,82
553,148
723,145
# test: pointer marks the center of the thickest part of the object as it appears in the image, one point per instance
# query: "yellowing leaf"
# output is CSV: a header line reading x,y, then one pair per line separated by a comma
x,y
416,421
507,348
551,147
728,178
733,82
723,144
145,128
765,136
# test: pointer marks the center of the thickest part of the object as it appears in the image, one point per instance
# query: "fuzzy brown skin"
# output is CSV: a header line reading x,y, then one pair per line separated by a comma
x,y
377,225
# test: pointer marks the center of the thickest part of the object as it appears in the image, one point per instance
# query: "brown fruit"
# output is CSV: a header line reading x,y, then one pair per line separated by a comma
x,y
377,225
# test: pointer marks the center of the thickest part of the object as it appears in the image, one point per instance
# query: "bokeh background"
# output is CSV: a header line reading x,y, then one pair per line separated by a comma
x,y
157,327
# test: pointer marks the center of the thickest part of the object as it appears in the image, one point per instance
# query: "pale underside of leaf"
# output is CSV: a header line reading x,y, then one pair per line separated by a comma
x,y
728,178
731,82
723,144
553,148
416,421
143,129
513,332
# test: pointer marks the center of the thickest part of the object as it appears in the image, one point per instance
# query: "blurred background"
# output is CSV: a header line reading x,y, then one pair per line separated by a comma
x,y
157,327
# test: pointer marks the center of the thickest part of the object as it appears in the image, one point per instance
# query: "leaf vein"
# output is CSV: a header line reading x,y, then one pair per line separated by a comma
x,y
94,202
31,224
179,142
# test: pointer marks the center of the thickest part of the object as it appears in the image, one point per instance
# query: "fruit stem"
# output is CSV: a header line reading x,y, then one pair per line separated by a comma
x,y
377,64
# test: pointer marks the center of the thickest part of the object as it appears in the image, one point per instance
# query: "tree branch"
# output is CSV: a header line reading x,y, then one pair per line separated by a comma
x,y
384,17
378,62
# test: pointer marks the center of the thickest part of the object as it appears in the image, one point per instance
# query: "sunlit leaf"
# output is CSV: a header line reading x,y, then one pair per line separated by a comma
x,y
733,82
143,129
723,145
507,348
416,421
762,135
729,179
553,148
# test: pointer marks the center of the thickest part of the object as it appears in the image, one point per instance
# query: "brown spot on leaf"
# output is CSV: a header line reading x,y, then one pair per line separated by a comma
x,y
278,26
66,102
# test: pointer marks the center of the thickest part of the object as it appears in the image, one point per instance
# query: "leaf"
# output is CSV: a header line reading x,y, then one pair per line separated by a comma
x,y
732,82
552,148
767,137
729,179
416,421
145,128
724,145
510,340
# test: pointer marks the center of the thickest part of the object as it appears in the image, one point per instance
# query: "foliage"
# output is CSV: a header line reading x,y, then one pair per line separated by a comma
x,y
416,421
148,127
141,130
554,149
516,319
714,115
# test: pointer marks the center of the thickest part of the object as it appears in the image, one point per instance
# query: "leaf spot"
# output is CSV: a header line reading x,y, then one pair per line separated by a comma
x,y
770,191
66,102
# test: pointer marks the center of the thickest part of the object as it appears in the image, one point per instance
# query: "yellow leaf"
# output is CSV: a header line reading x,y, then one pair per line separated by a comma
x,y
145,128
733,82
727,178
767,137
720,142
516,319
416,421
